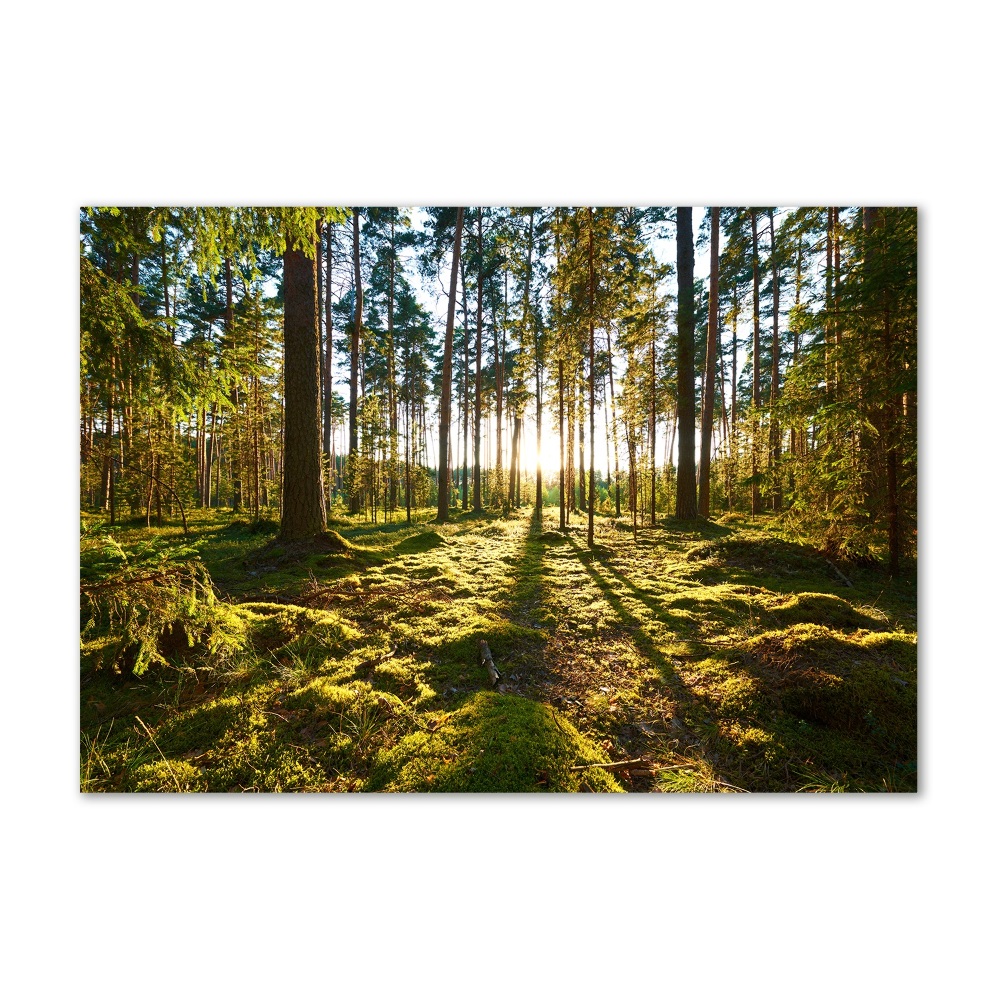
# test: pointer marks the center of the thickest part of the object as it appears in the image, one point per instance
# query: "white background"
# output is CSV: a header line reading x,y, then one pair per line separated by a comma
x,y
531,103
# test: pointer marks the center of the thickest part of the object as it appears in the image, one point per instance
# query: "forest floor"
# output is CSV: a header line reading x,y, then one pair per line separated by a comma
x,y
715,656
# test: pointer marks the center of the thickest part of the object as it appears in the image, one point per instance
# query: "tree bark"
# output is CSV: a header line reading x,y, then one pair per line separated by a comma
x,y
352,453
234,397
328,368
687,507
614,429
444,479
708,393
477,473
562,456
303,508
590,261
756,505
775,430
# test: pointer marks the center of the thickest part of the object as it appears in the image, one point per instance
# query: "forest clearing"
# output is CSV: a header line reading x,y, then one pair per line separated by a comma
x,y
707,657
585,521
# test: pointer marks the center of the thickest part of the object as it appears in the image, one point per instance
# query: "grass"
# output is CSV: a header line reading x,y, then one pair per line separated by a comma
x,y
720,657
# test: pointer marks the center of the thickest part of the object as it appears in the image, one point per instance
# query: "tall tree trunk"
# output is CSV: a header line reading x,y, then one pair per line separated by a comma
x,y
303,507
515,457
354,485
444,479
409,416
465,392
836,301
500,363
708,393
581,409
593,490
652,428
328,367
570,445
234,396
687,506
538,371
210,458
390,347
477,473
756,505
874,221
562,454
614,428
775,374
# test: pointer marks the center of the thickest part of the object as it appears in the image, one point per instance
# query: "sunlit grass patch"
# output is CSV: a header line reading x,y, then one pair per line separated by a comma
x,y
493,743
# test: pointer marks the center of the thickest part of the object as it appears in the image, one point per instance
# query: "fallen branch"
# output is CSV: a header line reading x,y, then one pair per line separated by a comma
x,y
129,582
486,660
621,765
847,582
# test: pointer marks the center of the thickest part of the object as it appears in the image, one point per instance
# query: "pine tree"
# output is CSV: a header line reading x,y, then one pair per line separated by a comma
x,y
686,508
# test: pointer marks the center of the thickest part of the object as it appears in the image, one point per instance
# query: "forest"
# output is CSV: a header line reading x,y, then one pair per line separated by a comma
x,y
498,499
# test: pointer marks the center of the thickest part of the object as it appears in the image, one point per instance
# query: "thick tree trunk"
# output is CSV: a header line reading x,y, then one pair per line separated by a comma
x,y
687,506
303,507
444,479
708,393
328,368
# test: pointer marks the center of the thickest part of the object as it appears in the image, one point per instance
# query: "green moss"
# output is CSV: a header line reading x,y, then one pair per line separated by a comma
x,y
494,743
819,609
164,776
323,695
425,541
862,682
283,627
713,651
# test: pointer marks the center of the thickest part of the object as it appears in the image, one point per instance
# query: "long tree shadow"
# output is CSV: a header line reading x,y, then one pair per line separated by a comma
x,y
808,706
637,628
526,606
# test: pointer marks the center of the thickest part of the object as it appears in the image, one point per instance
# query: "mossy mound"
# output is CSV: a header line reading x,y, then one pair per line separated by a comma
x,y
493,743
274,626
424,541
816,609
757,550
865,682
